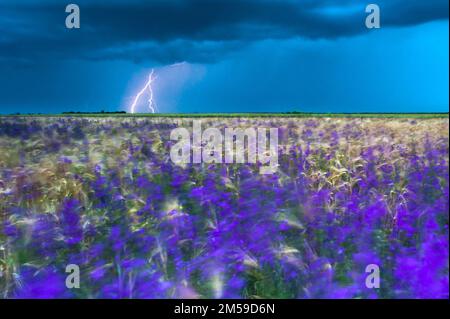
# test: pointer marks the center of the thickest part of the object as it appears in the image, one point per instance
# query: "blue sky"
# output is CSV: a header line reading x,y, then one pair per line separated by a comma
x,y
229,56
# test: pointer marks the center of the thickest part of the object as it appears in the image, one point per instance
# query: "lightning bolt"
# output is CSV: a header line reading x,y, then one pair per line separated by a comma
x,y
147,87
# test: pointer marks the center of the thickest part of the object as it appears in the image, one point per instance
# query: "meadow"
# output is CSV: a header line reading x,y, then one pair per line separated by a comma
x,y
103,194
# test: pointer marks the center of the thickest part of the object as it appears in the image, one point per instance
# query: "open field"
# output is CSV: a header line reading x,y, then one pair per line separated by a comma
x,y
250,115
102,193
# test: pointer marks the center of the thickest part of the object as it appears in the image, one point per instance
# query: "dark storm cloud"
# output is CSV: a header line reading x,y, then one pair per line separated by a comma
x,y
196,30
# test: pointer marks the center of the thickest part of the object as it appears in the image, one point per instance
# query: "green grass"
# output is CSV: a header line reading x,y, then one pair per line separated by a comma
x,y
248,115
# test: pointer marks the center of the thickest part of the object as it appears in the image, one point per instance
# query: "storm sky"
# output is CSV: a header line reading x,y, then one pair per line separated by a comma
x,y
225,56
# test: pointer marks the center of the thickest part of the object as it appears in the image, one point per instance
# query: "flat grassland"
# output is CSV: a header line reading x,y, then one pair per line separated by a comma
x,y
100,192
246,115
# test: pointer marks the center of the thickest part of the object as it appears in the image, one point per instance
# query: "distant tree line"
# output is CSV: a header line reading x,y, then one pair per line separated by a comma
x,y
101,112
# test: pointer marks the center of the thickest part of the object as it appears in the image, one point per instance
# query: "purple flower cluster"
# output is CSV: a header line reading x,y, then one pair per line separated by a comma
x,y
103,194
